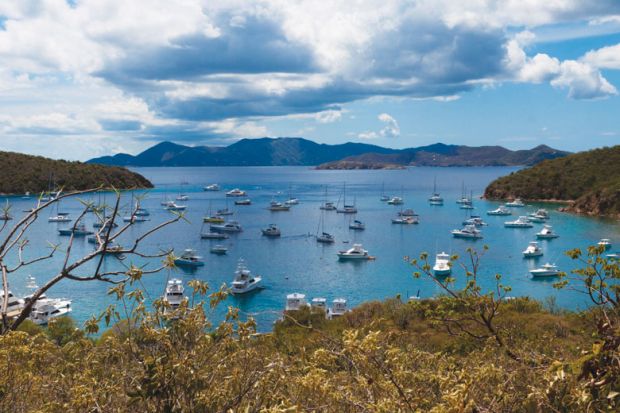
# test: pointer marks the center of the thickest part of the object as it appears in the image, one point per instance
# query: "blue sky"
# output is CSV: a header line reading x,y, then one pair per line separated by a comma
x,y
81,79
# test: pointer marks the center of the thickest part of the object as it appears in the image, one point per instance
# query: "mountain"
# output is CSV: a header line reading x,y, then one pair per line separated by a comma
x,y
25,173
440,154
589,180
246,152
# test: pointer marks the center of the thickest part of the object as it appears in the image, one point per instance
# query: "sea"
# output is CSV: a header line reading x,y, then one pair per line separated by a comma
x,y
295,262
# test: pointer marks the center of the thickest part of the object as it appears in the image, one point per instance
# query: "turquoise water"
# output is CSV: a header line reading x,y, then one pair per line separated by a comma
x,y
295,262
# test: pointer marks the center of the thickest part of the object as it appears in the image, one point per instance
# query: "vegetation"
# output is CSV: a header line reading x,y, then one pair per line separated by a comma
x,y
25,173
591,180
467,351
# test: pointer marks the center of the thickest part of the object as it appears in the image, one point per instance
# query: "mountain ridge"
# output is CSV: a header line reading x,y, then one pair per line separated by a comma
x,y
291,151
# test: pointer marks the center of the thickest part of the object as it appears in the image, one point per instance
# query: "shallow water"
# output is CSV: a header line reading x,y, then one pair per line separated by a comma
x,y
295,262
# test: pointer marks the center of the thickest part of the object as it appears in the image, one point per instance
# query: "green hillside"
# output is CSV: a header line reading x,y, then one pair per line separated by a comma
x,y
25,173
590,179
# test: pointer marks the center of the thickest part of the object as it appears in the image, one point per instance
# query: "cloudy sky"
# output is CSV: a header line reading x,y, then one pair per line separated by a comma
x,y
85,78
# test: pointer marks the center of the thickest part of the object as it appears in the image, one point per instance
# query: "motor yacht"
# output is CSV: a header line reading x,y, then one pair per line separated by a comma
x,y
211,188
14,305
501,211
442,265
532,250
246,201
182,197
244,281
396,200
295,302
521,222
172,206
230,226
517,203
218,250
547,270
475,220
59,218
189,258
174,293
546,233
271,231
406,220
319,304
605,243
469,232
236,193
338,308
355,253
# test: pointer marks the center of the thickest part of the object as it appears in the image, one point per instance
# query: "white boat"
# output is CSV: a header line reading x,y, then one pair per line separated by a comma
x,y
224,211
189,258
328,206
213,235
236,193
547,270
463,200
469,232
59,218
271,231
45,309
182,197
613,256
174,293
275,206
141,212
292,201
407,213
517,203
218,250
435,199
501,211
135,218
79,231
211,188
355,253
244,281
406,220
396,200
605,243
246,201
319,303
521,222
325,238
347,209
466,205
538,219
442,265
295,301
384,198
15,304
338,308
230,226
172,206
546,233
357,225
532,250
541,212
475,220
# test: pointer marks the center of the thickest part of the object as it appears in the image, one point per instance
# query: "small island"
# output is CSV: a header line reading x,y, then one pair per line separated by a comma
x,y
588,181
26,173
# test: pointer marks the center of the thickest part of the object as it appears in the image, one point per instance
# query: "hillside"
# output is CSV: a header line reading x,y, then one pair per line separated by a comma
x,y
591,180
298,151
449,155
25,173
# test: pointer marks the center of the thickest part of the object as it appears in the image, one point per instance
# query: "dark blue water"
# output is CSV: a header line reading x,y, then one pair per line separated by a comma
x,y
295,262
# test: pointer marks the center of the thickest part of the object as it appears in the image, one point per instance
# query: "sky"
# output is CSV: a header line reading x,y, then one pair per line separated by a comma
x,y
86,78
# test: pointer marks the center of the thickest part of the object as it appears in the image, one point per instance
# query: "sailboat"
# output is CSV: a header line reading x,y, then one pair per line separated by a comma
x,y
327,206
60,216
291,200
463,199
346,209
435,199
384,197
322,236
467,203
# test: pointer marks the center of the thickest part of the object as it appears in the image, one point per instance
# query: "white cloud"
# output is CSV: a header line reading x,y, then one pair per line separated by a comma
x,y
390,130
583,81
605,57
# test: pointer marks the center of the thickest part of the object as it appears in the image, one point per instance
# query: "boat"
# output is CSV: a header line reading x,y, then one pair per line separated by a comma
x,y
613,256
475,220
605,243
325,238
105,224
396,200
44,309
354,253
501,211
244,281
78,230
328,206
407,213
59,218
542,213
537,219
406,220
384,197
547,270
189,258
271,231
218,250
319,304
172,206
357,225
211,188
467,205
521,222
442,265
275,206
516,203
532,250
141,212
136,218
338,308
291,199
236,193
230,226
182,197
214,219
295,302
246,201
435,199
224,212
469,232
14,305
213,235
546,233
173,295
463,199
346,208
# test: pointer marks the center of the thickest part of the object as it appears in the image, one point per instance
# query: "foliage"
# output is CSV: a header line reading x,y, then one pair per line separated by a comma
x,y
595,190
26,173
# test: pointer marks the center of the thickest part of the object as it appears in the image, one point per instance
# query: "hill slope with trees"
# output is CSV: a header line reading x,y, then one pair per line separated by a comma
x,y
589,180
26,173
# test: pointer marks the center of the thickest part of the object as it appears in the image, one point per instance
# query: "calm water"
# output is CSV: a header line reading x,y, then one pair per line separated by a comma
x,y
295,262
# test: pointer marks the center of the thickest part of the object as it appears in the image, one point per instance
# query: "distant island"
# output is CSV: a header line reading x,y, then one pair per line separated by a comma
x,y
303,152
588,181
26,173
